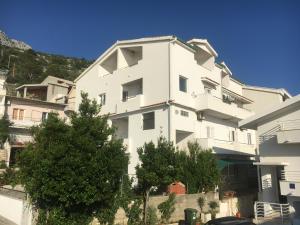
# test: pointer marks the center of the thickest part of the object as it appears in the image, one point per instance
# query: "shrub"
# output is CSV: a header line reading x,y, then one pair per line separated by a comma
x,y
167,208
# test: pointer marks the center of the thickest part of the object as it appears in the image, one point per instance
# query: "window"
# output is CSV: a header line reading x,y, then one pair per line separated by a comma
x,y
292,186
148,121
184,113
44,116
249,139
182,84
102,99
232,135
209,132
21,114
18,114
125,96
15,114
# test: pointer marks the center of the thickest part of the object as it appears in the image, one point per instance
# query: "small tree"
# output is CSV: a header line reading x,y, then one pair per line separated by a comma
x,y
157,168
73,172
201,203
213,205
152,216
167,208
198,169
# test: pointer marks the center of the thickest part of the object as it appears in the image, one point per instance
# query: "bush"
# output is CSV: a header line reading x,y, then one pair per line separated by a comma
x,y
167,208
213,205
152,218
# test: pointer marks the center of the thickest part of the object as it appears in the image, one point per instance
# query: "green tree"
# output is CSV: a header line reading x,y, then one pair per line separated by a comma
x,y
4,130
198,169
73,172
157,169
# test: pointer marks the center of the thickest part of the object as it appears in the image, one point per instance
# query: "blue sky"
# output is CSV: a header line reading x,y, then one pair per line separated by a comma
x,y
258,39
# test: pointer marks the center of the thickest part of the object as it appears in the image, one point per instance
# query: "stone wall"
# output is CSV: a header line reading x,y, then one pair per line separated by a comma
x,y
182,202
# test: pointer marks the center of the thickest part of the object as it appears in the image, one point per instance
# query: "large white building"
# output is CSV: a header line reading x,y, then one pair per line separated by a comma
x,y
165,86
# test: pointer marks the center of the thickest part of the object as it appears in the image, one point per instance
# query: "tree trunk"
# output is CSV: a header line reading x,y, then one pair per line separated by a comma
x,y
145,207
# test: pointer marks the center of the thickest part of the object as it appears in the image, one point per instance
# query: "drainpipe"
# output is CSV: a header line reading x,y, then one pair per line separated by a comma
x,y
170,91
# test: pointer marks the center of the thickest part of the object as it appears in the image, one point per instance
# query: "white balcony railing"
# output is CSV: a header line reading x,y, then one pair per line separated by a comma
x,y
223,146
289,132
133,103
275,213
25,122
208,102
287,175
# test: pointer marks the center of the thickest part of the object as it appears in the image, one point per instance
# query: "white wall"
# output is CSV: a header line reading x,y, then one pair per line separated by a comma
x,y
15,209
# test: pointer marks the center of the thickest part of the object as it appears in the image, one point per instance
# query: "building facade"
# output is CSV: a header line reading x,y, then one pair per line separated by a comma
x,y
163,86
278,138
29,106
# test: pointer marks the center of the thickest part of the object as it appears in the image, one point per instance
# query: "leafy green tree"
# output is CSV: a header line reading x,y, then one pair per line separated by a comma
x,y
167,208
73,172
157,169
198,169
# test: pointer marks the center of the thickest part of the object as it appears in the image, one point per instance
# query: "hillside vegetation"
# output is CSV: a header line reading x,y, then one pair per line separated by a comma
x,y
29,66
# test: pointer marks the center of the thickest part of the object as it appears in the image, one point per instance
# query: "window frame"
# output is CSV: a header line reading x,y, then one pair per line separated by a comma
x,y
102,99
182,78
152,125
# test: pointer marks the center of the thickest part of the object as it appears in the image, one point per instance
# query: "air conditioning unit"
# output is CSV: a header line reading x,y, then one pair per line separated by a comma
x,y
8,102
200,116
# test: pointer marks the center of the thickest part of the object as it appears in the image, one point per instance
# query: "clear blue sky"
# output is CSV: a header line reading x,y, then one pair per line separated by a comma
x,y
258,39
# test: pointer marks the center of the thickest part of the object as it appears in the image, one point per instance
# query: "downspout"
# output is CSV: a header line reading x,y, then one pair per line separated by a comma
x,y
170,91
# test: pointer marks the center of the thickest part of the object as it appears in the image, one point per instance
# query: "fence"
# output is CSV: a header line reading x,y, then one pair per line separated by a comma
x,y
265,211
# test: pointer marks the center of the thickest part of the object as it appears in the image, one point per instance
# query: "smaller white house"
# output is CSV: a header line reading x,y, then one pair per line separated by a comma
x,y
278,138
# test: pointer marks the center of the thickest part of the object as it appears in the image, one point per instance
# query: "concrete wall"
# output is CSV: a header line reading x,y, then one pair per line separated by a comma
x,y
182,202
14,207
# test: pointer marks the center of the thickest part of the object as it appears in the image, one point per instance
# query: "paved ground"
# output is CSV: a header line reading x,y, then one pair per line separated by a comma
x,y
4,221
273,222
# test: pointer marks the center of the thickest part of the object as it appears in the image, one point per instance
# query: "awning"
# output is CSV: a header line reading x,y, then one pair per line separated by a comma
x,y
222,163
270,163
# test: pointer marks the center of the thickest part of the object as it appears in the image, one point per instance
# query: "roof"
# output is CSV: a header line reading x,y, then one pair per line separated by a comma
x,y
204,42
69,82
31,85
123,42
280,91
253,121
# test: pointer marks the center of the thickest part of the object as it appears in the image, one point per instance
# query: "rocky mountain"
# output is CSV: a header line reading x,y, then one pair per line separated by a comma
x,y
12,43
21,64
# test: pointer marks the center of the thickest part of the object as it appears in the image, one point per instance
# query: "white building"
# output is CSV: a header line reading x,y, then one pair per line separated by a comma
x,y
28,106
164,86
278,137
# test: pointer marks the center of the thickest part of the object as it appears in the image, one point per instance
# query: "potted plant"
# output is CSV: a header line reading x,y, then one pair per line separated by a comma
x,y
213,205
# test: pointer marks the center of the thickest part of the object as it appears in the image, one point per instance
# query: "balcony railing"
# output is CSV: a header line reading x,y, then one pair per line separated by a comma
x,y
287,175
289,125
208,102
289,131
24,121
227,145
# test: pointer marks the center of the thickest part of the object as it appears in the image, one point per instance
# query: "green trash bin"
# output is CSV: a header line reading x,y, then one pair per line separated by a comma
x,y
190,216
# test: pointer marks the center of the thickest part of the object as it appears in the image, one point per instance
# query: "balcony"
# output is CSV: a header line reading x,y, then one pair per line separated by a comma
x,y
26,122
215,106
226,147
290,183
130,104
289,132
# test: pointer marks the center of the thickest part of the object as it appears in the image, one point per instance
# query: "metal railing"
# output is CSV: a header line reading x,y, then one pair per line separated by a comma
x,y
289,175
267,211
289,125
